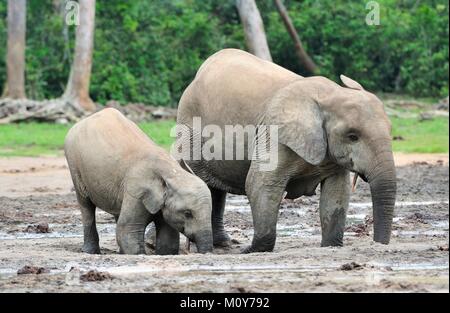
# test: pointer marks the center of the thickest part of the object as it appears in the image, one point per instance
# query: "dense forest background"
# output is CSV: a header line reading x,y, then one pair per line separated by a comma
x,y
149,51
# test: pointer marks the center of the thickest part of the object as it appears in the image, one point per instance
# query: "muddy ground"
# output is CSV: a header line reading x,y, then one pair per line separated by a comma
x,y
37,191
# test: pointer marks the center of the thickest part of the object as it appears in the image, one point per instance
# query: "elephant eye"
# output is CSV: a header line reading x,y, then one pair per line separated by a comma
x,y
353,137
188,214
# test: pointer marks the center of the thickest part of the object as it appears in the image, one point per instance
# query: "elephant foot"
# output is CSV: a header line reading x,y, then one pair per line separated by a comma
x,y
90,248
333,239
221,239
252,249
132,250
222,244
130,246
261,244
167,250
332,243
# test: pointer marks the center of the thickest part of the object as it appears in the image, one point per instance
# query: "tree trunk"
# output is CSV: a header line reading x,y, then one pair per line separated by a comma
x,y
307,63
77,90
255,35
15,59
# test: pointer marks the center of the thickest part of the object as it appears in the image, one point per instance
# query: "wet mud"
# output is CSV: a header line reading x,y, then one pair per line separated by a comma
x,y
41,237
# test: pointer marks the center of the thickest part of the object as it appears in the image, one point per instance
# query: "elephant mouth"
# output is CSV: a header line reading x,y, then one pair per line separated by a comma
x,y
355,179
363,177
359,175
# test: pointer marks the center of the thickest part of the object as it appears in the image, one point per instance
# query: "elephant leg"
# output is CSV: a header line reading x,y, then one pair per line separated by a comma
x,y
265,191
131,225
220,237
265,205
334,200
167,238
91,240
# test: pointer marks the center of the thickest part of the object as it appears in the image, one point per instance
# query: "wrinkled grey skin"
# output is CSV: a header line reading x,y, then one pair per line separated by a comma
x,y
117,168
325,131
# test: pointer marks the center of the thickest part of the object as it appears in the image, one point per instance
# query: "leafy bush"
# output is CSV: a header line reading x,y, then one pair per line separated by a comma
x,y
149,51
407,52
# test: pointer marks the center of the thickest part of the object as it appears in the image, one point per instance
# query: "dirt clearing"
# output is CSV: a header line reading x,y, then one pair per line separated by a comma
x,y
41,237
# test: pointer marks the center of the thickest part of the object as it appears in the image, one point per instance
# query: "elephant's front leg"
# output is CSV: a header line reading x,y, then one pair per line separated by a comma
x,y
265,189
265,192
265,204
131,225
167,238
334,200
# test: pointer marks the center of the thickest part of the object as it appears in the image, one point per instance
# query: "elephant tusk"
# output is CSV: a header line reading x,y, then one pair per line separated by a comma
x,y
355,180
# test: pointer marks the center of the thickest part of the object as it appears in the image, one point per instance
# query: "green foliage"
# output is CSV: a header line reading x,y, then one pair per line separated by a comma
x,y
407,52
48,56
149,51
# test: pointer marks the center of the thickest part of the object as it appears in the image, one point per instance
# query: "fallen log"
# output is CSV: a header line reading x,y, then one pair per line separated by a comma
x,y
54,110
62,111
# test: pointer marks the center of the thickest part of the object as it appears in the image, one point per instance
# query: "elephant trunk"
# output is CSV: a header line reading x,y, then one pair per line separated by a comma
x,y
383,187
204,241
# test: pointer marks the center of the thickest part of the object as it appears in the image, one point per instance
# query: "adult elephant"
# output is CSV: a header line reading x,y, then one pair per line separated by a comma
x,y
324,132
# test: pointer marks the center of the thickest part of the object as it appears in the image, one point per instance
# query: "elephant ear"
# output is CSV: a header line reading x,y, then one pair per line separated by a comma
x,y
154,196
350,83
300,124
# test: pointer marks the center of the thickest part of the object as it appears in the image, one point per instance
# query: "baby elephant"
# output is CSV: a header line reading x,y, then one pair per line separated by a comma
x,y
117,168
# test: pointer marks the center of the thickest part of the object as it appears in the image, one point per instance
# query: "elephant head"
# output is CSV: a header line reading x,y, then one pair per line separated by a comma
x,y
322,121
185,203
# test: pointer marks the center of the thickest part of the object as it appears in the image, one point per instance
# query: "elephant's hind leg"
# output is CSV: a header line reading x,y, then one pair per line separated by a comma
x,y
334,200
91,240
220,237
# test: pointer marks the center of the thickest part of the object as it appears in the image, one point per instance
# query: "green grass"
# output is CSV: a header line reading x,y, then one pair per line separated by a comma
x,y
32,139
35,139
159,132
429,136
